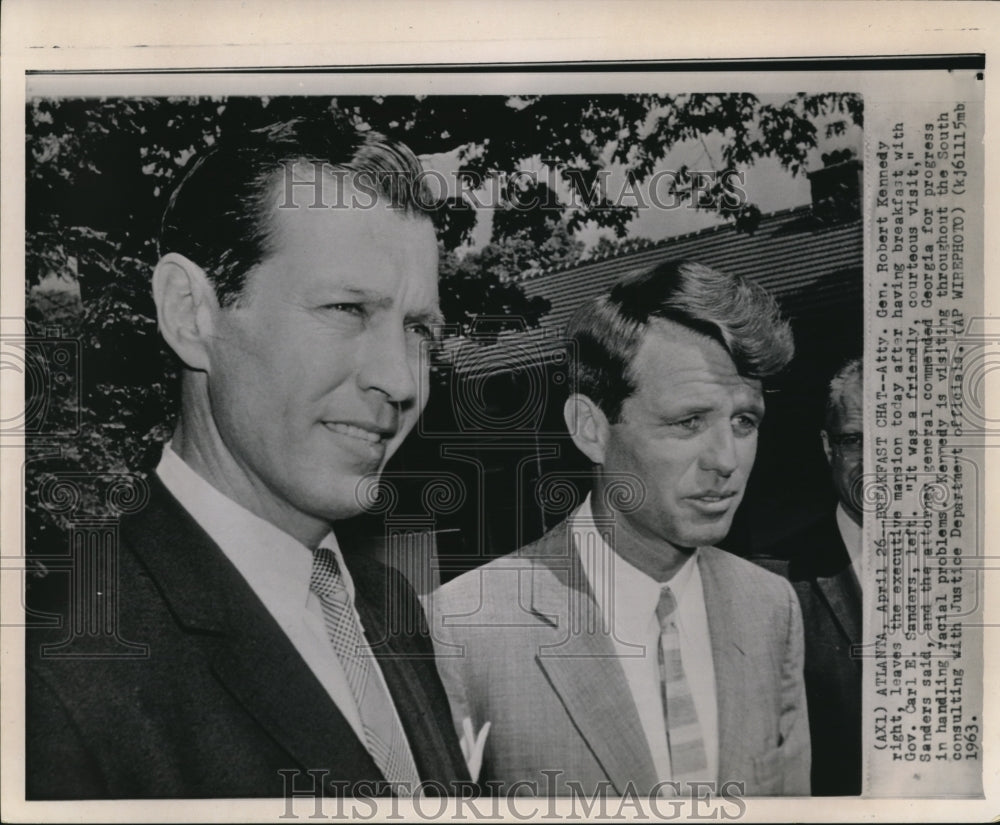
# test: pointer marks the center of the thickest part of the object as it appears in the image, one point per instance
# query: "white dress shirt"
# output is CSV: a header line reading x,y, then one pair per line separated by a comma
x,y
276,566
627,599
850,532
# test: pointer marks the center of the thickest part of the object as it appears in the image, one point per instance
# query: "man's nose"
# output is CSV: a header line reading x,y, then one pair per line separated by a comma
x,y
719,453
388,366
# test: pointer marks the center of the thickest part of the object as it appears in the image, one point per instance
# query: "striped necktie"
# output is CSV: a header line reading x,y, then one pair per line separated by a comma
x,y
384,736
684,738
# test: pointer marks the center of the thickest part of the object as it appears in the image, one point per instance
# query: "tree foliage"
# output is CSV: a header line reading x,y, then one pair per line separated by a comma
x,y
487,277
99,172
581,136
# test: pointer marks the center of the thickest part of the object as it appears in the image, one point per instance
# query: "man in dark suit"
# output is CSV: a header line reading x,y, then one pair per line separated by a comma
x,y
276,659
823,563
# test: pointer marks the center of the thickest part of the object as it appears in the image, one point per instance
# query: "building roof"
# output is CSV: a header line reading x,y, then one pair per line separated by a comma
x,y
811,266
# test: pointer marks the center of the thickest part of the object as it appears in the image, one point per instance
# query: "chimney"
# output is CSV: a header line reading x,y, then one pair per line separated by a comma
x,y
837,187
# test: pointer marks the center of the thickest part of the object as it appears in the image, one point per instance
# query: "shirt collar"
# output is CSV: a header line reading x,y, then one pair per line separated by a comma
x,y
276,565
642,591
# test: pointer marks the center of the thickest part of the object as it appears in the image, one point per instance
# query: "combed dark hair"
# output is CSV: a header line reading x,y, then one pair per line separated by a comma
x,y
220,216
739,314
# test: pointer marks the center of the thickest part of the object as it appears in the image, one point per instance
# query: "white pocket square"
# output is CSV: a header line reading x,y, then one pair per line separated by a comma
x,y
473,744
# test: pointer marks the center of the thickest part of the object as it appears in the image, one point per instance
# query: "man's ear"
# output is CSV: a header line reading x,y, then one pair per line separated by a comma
x,y
827,448
587,425
185,308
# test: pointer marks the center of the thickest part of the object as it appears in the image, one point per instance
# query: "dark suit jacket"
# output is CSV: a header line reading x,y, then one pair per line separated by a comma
x,y
222,701
815,561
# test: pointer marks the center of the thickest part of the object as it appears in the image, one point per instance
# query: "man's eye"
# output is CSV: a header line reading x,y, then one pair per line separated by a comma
x,y
422,331
692,423
745,425
849,440
347,309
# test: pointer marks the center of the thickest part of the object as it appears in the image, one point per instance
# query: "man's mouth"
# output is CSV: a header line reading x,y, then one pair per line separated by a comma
x,y
369,433
712,504
710,497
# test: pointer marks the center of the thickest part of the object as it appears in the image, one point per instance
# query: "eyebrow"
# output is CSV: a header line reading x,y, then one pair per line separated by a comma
x,y
756,408
696,408
367,296
431,316
690,409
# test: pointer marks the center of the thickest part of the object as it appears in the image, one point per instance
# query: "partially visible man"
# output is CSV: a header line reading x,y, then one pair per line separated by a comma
x,y
622,651
824,565
297,284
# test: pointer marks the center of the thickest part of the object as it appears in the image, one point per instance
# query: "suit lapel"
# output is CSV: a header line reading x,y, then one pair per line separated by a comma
x,y
249,653
729,660
583,668
837,582
270,679
407,668
843,595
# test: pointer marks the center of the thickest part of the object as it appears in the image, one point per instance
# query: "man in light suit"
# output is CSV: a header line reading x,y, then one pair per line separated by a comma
x,y
297,284
622,652
823,563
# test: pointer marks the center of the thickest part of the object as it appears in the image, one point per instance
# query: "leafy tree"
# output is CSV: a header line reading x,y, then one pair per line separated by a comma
x,y
581,136
102,170
488,276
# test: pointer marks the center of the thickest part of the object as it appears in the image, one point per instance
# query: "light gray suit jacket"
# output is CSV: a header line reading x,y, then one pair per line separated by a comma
x,y
519,643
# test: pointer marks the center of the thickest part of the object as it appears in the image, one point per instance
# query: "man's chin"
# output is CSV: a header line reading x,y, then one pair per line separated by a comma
x,y
706,537
355,494
344,497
